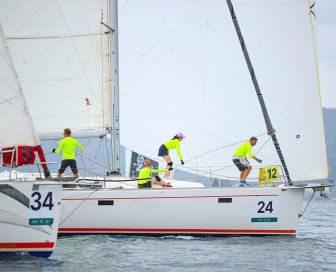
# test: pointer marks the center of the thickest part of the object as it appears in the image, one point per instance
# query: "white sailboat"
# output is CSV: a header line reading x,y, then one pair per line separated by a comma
x,y
181,69
29,210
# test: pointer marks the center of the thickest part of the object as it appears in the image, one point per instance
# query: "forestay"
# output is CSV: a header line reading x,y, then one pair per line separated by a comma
x,y
16,126
182,69
61,52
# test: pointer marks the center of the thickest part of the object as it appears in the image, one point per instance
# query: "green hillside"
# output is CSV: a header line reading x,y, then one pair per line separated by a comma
x,y
329,116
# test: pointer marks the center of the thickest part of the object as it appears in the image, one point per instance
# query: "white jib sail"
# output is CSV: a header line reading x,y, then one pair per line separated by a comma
x,y
182,69
16,126
61,52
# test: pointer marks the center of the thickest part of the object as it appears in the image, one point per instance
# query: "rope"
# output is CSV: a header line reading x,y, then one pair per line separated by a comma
x,y
222,148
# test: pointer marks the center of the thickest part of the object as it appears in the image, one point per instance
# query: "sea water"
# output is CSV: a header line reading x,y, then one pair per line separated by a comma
x,y
313,249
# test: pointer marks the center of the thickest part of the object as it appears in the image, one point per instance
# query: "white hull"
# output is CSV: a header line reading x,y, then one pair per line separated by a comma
x,y
188,211
29,223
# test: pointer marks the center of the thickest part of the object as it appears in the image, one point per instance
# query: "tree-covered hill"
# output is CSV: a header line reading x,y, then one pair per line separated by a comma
x,y
329,116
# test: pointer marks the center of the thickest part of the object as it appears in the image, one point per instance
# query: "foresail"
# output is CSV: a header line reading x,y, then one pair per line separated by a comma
x,y
16,127
182,69
61,52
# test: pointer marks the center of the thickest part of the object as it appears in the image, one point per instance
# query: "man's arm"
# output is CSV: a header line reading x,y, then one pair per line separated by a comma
x,y
60,147
79,145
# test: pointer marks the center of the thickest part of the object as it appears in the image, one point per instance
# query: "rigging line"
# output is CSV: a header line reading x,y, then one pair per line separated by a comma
x,y
211,172
161,69
10,12
318,82
170,33
80,204
102,67
265,142
268,122
76,49
45,69
133,14
271,4
54,36
262,71
205,79
30,17
213,150
163,17
164,53
86,156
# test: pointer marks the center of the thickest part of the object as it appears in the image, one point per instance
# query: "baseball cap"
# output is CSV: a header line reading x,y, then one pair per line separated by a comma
x,y
180,134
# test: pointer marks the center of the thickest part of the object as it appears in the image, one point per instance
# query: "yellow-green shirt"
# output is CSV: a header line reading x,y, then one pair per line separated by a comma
x,y
145,174
68,145
172,145
243,149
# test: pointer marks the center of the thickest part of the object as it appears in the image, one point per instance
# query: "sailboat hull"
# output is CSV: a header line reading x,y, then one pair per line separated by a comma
x,y
186,211
29,216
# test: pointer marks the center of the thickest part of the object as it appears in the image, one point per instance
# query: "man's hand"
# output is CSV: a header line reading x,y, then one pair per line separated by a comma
x,y
259,160
182,162
53,151
170,168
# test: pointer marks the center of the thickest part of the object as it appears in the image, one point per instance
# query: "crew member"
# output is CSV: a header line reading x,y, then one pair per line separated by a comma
x,y
145,180
240,160
68,145
166,147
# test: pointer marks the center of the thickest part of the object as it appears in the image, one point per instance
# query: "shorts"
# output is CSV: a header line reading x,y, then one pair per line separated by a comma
x,y
64,165
163,151
241,163
148,184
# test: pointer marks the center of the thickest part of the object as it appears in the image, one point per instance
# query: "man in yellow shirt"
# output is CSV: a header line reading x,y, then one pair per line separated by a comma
x,y
68,145
145,180
240,160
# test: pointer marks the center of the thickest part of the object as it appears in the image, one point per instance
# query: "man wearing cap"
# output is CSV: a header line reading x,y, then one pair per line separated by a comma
x,y
240,160
166,147
145,180
68,145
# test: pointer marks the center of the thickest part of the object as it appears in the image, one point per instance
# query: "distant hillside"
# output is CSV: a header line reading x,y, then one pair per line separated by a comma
x,y
329,116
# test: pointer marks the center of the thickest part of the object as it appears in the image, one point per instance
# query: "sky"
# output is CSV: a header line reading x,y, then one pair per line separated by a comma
x,y
326,39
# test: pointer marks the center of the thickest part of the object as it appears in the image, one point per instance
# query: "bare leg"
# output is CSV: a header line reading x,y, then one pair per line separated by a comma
x,y
161,182
76,175
246,172
242,175
168,160
59,174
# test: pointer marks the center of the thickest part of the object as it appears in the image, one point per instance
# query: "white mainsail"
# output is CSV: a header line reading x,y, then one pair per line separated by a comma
x,y
61,52
181,69
16,127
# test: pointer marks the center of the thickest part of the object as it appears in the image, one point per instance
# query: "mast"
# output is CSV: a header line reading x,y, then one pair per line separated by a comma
x,y
268,122
114,87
